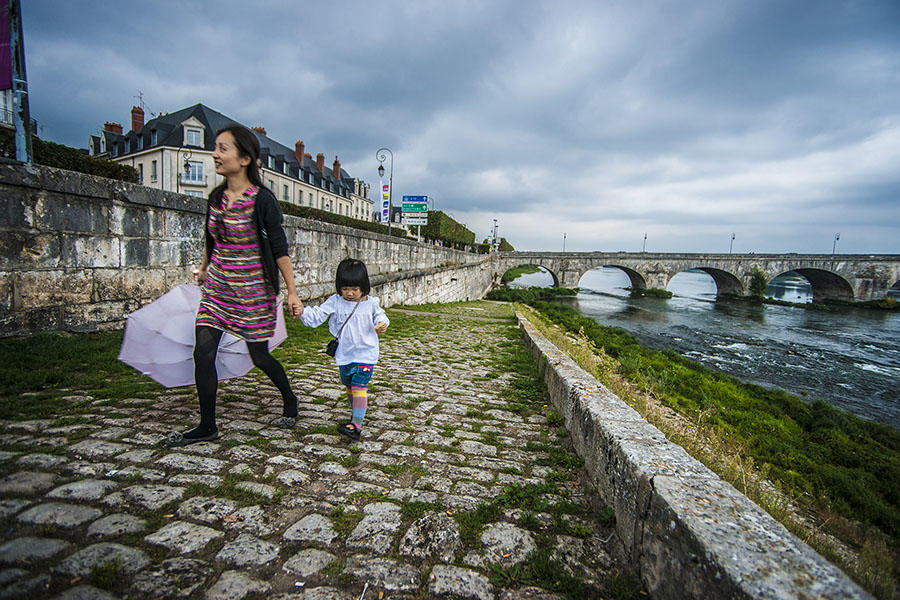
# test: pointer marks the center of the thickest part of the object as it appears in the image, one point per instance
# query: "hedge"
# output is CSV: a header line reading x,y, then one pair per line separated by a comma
x,y
308,212
51,154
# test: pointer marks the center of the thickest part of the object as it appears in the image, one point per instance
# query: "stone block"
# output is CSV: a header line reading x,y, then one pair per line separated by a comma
x,y
703,538
56,212
24,322
5,292
129,221
87,317
16,207
73,183
164,253
29,250
135,252
38,289
130,284
184,225
21,175
89,251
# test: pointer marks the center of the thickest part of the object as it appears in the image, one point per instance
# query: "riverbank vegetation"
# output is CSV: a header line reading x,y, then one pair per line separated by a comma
x,y
650,293
517,272
829,476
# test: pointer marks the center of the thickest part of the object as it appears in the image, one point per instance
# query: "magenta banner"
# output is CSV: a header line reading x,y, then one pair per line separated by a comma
x,y
5,52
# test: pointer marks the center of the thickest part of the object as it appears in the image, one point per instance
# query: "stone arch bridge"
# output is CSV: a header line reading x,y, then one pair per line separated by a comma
x,y
832,276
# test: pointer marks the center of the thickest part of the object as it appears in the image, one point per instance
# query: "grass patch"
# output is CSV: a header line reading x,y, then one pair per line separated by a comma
x,y
344,522
416,509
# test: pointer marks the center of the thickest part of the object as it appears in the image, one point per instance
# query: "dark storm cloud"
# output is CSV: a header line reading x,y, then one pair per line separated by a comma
x,y
778,120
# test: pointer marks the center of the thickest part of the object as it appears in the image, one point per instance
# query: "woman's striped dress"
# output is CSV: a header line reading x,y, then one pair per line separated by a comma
x,y
236,296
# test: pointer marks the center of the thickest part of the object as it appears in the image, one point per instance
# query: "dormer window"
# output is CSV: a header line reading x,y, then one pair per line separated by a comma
x,y
140,142
193,137
284,168
271,162
127,146
153,138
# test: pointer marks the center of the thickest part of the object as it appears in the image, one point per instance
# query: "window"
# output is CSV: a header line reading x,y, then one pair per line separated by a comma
x,y
115,149
193,137
127,146
284,168
196,193
195,173
153,171
153,138
285,193
140,142
271,185
271,162
141,173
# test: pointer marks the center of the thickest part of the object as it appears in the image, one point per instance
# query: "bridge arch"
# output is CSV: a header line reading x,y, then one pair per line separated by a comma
x,y
726,283
513,265
636,280
825,284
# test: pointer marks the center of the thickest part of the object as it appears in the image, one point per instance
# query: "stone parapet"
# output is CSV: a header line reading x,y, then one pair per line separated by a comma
x,y
691,534
78,252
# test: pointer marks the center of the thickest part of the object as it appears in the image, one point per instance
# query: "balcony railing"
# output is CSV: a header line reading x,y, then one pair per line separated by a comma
x,y
189,179
6,116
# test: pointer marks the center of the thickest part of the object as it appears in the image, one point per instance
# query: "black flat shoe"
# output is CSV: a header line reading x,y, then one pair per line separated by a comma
x,y
177,439
349,430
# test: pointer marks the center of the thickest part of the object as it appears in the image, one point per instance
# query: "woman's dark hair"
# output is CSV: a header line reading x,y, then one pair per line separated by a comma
x,y
247,145
352,273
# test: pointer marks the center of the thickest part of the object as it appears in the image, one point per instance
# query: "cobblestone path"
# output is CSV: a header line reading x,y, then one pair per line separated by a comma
x,y
462,486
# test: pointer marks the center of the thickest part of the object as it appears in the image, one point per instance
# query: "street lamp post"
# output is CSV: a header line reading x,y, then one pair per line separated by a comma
x,y
496,241
731,244
837,236
564,241
644,247
381,157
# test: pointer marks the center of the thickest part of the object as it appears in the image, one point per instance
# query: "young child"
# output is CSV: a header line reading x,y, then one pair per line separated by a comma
x,y
361,318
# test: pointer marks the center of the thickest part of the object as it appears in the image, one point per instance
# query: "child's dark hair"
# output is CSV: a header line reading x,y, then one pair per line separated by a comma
x,y
352,273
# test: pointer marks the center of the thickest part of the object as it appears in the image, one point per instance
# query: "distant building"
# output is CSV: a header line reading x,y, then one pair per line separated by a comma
x,y
174,152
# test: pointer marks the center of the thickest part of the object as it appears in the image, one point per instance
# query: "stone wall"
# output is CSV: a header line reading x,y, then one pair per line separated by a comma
x,y
690,534
79,252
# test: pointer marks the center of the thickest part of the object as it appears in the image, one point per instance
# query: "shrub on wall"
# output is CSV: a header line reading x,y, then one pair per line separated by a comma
x,y
759,283
307,212
51,154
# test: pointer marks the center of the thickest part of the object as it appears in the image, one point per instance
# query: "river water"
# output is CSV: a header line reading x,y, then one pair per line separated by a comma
x,y
848,357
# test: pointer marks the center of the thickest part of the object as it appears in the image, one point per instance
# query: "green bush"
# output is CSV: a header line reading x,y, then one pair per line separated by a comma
x,y
759,283
51,154
442,227
307,212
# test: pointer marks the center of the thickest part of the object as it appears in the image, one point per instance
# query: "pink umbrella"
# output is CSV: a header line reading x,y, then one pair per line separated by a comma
x,y
159,340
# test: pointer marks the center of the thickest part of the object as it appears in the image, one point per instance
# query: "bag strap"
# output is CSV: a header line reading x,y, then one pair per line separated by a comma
x,y
341,330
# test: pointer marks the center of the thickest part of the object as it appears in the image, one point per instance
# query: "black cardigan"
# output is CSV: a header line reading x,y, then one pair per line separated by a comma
x,y
272,240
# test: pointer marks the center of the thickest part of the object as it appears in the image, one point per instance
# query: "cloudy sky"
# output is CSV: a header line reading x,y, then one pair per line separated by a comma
x,y
600,121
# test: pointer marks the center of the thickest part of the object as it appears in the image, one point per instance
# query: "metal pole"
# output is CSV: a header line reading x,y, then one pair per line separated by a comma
x,y
644,247
837,236
21,112
564,241
380,156
731,244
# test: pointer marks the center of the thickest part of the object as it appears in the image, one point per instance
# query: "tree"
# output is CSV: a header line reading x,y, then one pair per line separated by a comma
x,y
505,246
759,283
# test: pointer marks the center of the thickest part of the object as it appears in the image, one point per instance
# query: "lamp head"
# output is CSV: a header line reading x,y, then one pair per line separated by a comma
x,y
381,170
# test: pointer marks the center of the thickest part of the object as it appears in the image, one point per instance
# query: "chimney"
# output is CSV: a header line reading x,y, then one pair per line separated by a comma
x,y
137,118
112,127
308,155
320,162
259,129
298,151
336,169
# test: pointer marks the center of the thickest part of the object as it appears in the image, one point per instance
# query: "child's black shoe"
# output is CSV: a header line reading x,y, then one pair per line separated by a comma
x,y
350,430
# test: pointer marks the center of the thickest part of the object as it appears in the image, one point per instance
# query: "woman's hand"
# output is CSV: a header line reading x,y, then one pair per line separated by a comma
x,y
200,274
380,327
295,307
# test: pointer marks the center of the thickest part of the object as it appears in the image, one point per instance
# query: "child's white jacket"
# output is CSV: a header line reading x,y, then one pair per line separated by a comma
x,y
358,342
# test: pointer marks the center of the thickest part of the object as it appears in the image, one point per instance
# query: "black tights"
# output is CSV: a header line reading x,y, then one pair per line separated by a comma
x,y
205,349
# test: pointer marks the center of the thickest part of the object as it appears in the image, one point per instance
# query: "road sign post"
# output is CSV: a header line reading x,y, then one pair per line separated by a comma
x,y
415,212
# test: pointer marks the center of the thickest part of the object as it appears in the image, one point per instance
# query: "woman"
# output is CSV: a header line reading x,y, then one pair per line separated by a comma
x,y
238,276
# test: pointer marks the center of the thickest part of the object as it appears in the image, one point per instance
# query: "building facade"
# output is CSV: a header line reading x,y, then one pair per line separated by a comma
x,y
174,152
